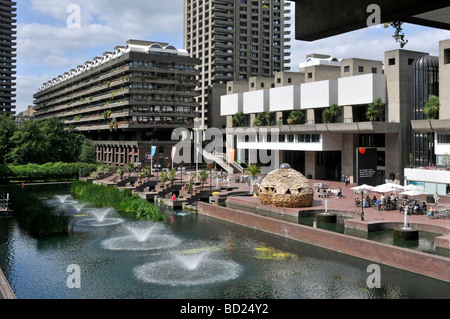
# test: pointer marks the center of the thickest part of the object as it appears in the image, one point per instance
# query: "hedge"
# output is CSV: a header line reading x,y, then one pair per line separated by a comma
x,y
46,172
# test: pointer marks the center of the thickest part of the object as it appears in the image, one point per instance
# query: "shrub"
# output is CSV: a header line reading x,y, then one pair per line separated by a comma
x,y
125,200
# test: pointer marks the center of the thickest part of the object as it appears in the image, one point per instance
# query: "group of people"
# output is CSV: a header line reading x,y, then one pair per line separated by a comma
x,y
414,209
382,202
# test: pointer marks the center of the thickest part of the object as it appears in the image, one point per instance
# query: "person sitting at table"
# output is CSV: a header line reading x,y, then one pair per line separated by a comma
x,y
365,203
416,207
424,207
357,202
382,200
339,192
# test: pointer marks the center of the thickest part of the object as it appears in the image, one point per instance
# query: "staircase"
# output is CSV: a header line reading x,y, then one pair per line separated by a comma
x,y
221,159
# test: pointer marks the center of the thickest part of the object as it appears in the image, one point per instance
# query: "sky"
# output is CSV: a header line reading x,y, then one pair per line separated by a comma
x,y
51,40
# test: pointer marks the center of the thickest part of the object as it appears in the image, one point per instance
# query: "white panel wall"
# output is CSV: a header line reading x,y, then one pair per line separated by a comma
x,y
231,104
362,89
285,98
427,175
256,101
319,94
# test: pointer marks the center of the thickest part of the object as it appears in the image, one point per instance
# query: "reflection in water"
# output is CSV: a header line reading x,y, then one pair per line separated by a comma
x,y
191,256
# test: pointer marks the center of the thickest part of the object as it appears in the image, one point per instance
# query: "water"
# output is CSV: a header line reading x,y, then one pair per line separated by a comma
x,y
189,257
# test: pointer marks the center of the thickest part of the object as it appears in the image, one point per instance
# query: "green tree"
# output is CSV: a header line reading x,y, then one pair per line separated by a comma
x,y
296,117
30,144
331,115
264,119
121,171
202,176
172,175
399,35
7,129
88,152
376,110
254,170
163,176
238,119
431,109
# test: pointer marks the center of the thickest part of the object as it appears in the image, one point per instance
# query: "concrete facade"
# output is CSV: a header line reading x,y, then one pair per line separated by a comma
x,y
7,56
234,40
444,79
355,83
126,101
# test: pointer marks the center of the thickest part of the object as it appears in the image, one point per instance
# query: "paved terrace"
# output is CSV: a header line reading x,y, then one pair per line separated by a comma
x,y
374,219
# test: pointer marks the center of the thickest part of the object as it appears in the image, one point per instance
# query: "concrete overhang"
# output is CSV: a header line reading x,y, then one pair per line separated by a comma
x,y
335,128
431,126
320,19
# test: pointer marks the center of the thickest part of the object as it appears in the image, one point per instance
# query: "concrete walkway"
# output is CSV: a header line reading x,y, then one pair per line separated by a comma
x,y
5,289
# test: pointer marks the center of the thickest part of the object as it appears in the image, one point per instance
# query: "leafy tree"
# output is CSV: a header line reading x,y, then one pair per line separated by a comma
x,y
431,109
331,114
30,144
7,129
264,119
172,175
254,170
121,171
399,36
202,176
238,119
163,177
296,117
376,110
87,153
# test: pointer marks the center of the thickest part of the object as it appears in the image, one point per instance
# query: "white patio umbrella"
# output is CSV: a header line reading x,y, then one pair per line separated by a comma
x,y
411,187
363,188
415,192
385,188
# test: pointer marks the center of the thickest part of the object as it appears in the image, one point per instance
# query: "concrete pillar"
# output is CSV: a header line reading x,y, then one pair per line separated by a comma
x,y
444,80
310,164
348,157
310,118
348,114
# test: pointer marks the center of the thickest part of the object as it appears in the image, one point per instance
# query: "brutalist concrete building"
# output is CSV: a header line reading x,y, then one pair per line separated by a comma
x,y
328,148
126,100
234,39
7,56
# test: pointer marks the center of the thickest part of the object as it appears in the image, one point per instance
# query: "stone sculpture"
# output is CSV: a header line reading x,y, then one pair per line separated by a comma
x,y
286,187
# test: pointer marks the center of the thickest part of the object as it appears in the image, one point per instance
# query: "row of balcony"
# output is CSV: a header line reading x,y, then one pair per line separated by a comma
x,y
357,90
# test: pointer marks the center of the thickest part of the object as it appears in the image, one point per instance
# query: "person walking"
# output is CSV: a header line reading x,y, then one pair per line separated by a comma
x,y
436,199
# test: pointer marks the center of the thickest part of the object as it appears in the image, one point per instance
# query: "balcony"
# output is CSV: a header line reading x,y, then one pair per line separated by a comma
x,y
231,104
319,94
363,89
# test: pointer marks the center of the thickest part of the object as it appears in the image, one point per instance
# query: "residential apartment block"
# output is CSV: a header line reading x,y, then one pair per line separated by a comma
x,y
234,39
127,100
260,117
7,56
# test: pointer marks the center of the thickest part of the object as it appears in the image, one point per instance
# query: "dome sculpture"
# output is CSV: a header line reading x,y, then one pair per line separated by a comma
x,y
286,187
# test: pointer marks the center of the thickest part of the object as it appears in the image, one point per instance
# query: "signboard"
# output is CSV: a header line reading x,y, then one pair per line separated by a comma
x,y
366,166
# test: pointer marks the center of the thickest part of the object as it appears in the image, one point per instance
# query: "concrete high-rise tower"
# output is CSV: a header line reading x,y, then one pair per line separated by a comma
x,y
235,40
7,56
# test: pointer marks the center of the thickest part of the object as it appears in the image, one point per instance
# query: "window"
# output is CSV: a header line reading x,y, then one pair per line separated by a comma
x,y
410,61
391,61
360,69
374,70
446,56
310,75
346,69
